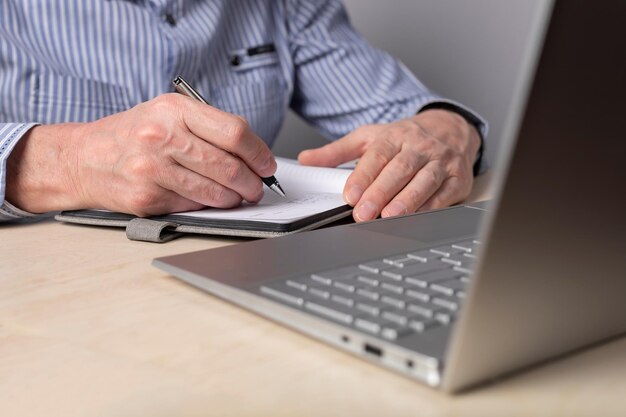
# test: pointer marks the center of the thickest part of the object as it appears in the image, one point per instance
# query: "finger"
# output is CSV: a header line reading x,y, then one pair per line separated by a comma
x,y
367,170
425,183
452,191
195,187
230,133
392,179
342,150
218,165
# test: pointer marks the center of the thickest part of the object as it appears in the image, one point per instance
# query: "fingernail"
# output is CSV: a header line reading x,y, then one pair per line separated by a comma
x,y
395,208
354,195
366,211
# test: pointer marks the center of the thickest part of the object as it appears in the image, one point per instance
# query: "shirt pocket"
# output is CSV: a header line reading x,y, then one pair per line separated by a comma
x,y
60,98
257,91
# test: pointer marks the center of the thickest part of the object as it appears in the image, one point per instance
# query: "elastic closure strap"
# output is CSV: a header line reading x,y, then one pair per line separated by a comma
x,y
147,230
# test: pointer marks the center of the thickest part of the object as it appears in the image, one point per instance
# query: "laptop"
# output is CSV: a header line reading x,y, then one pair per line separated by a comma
x,y
459,296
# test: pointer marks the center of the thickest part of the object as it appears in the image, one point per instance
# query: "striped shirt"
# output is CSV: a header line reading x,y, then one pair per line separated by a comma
x,y
77,60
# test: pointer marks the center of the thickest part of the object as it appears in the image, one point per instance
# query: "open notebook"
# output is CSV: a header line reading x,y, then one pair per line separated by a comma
x,y
314,198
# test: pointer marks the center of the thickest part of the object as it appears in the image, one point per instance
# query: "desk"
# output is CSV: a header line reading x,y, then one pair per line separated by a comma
x,y
89,328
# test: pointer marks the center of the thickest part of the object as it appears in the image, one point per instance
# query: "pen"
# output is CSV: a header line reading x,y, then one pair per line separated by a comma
x,y
183,87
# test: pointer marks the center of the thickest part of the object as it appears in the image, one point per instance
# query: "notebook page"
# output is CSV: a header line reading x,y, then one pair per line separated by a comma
x,y
293,176
309,190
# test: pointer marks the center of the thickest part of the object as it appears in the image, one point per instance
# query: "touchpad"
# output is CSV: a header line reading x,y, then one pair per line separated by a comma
x,y
456,222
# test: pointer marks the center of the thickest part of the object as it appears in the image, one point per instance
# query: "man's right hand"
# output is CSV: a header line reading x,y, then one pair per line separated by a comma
x,y
169,154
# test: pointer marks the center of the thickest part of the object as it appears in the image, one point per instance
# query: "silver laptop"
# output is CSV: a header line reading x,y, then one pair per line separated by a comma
x,y
458,296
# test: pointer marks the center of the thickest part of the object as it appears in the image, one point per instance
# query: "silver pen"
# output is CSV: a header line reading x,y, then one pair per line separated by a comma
x,y
183,87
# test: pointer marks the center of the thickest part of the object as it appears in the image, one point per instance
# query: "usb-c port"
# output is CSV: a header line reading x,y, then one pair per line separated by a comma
x,y
373,350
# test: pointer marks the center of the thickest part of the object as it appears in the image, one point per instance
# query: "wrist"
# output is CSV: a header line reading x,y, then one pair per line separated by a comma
x,y
42,170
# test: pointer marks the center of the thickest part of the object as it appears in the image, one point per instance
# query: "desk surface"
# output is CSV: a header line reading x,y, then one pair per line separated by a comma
x,y
89,328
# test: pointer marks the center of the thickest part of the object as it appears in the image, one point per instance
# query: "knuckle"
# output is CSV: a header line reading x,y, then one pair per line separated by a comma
x,y
434,175
405,168
143,201
237,129
413,196
232,170
219,196
151,133
141,167
167,101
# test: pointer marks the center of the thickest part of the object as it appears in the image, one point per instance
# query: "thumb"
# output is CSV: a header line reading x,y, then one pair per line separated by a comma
x,y
335,153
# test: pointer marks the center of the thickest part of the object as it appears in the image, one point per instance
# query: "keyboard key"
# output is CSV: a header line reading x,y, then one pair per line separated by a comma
x,y
399,317
368,293
445,250
413,270
462,269
296,284
321,292
393,287
401,261
450,287
369,307
452,261
462,259
349,302
393,332
345,286
394,300
284,293
375,267
424,280
369,279
444,317
423,255
422,294
331,310
424,309
421,325
372,324
321,279
467,246
451,303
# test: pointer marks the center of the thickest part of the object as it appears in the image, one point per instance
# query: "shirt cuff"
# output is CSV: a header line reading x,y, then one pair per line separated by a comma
x,y
9,212
10,135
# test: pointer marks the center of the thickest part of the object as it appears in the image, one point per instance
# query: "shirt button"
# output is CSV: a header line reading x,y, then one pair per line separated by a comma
x,y
235,60
169,18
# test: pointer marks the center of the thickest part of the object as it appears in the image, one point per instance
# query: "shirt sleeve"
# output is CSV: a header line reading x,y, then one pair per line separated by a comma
x,y
342,82
10,134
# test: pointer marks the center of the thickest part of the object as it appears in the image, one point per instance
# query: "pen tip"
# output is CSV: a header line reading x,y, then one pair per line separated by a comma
x,y
279,190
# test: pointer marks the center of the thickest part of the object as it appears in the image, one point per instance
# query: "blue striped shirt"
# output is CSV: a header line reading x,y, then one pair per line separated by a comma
x,y
77,60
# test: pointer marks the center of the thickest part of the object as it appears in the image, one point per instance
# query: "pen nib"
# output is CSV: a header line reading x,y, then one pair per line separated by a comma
x,y
278,189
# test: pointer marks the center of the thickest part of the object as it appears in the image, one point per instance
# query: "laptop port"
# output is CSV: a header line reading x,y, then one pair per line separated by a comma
x,y
373,350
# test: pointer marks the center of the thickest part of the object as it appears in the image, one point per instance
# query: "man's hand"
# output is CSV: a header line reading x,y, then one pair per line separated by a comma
x,y
166,155
419,163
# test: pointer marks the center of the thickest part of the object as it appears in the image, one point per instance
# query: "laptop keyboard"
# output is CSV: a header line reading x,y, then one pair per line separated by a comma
x,y
390,297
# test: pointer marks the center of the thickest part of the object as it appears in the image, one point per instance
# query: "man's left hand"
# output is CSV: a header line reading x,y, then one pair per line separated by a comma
x,y
419,163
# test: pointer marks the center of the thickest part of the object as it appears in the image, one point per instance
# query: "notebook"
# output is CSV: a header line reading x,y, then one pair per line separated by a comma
x,y
314,198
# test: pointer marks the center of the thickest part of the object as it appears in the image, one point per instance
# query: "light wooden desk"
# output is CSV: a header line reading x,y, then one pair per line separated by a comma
x,y
89,328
